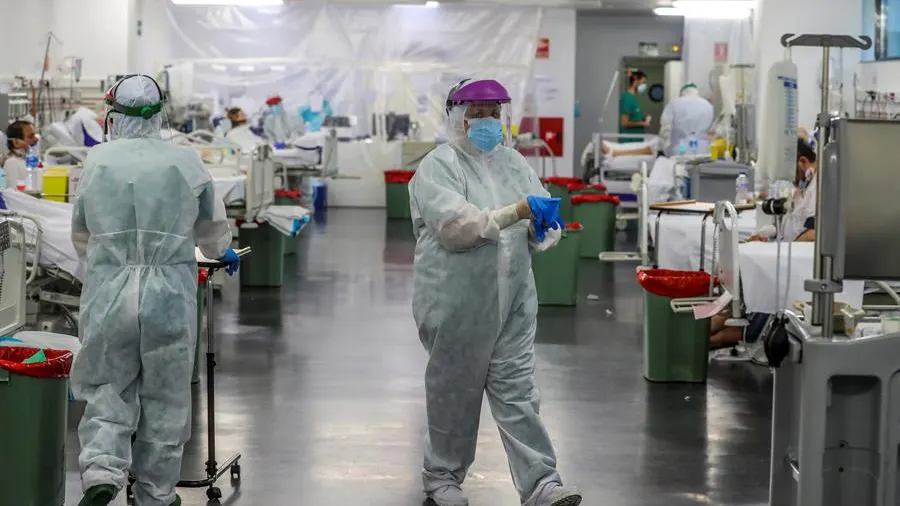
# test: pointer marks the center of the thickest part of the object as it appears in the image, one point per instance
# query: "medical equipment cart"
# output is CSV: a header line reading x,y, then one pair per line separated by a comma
x,y
214,471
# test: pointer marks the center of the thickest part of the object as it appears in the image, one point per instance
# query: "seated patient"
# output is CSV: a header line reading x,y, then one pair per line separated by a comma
x,y
798,226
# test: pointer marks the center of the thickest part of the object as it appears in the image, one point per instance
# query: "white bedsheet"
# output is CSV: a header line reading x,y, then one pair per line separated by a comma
x,y
758,261
289,220
296,157
57,249
679,245
630,163
232,189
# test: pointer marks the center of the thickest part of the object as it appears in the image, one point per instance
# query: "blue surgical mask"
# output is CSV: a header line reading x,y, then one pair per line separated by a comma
x,y
642,88
485,134
276,109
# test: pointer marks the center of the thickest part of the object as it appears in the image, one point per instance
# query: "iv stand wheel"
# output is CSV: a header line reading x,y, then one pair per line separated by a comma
x,y
214,493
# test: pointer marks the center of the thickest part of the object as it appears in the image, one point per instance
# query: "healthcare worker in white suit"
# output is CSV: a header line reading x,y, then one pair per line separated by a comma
x,y
686,116
142,205
478,212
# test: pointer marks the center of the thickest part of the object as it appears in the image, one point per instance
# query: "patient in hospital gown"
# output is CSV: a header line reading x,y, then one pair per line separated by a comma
x,y
798,226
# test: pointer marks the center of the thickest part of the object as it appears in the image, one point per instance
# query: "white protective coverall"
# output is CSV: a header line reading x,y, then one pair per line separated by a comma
x,y
475,306
690,114
142,205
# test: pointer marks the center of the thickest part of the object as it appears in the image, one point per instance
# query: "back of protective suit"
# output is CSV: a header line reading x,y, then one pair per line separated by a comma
x,y
140,200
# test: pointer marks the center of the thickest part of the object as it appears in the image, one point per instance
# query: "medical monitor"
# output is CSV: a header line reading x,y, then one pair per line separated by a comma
x,y
869,188
397,126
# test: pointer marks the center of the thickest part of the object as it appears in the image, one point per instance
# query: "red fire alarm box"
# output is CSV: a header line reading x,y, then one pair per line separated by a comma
x,y
551,130
543,48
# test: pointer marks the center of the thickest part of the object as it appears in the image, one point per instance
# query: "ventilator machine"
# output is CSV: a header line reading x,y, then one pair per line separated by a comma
x,y
836,406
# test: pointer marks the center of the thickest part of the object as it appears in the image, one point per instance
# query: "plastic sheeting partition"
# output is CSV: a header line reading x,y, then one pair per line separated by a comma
x,y
363,60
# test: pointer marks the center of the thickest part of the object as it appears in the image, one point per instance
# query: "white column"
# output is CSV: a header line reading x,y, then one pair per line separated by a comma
x,y
701,36
773,18
150,50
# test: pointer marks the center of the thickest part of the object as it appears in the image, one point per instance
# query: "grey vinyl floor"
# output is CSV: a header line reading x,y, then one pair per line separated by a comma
x,y
320,387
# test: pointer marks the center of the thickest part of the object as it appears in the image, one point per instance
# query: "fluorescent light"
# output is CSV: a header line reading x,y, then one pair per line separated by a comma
x,y
246,3
278,68
713,10
219,68
246,68
715,4
432,4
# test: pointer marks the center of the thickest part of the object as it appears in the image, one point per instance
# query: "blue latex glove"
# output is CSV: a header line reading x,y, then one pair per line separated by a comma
x,y
280,145
232,262
545,211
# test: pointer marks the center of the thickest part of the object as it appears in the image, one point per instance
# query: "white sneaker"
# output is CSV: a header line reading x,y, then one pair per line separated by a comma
x,y
565,497
554,494
449,495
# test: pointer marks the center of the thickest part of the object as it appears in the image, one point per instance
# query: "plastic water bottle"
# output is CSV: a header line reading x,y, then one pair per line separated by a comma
x,y
693,144
742,190
31,166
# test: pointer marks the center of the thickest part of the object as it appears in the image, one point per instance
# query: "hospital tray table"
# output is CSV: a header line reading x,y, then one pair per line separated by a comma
x,y
705,209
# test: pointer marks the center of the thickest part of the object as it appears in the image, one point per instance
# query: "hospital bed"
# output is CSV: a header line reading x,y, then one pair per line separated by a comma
x,y
313,155
642,255
683,237
616,172
54,271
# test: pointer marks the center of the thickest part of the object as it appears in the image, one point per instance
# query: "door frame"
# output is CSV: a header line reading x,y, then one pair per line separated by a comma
x,y
639,62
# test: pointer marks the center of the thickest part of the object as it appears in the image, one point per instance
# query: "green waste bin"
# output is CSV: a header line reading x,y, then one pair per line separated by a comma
x,y
396,191
288,198
597,214
676,346
264,267
33,411
556,270
201,310
559,188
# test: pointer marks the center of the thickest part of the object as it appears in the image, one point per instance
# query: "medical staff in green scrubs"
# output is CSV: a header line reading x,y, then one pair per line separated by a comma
x,y
631,118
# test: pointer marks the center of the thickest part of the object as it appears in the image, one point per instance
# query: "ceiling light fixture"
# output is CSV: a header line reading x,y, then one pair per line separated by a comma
x,y
278,68
715,4
240,3
708,9
432,4
246,68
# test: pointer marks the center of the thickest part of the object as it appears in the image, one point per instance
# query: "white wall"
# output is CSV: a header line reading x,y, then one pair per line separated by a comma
x,y
777,17
602,41
882,76
555,83
96,30
700,39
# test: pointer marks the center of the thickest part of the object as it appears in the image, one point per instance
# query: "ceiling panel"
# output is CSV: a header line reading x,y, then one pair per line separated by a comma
x,y
627,5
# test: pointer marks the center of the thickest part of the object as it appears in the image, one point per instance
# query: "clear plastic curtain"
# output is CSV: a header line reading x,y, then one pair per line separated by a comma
x,y
362,60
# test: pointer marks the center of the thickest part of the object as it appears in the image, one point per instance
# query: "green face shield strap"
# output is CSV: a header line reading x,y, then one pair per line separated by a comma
x,y
145,111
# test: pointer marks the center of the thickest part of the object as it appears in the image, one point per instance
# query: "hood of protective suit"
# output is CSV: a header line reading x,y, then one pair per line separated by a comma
x,y
690,91
136,91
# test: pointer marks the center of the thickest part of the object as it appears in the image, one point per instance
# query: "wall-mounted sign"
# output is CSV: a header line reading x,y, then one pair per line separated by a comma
x,y
720,52
648,49
543,48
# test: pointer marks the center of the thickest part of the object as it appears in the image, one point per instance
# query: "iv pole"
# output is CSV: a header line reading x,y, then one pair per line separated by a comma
x,y
822,286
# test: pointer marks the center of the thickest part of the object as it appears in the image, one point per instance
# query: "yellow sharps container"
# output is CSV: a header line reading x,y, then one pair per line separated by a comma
x,y
56,184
